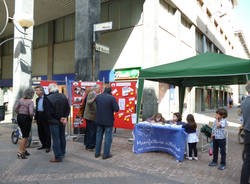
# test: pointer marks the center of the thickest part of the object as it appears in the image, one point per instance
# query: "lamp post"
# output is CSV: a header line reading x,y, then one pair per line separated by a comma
x,y
22,21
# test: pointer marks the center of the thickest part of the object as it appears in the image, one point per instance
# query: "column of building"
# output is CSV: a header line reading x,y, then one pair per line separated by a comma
x,y
150,55
51,41
87,13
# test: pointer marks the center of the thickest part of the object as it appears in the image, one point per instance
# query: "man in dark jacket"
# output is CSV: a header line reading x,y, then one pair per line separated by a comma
x,y
58,110
245,109
106,105
41,120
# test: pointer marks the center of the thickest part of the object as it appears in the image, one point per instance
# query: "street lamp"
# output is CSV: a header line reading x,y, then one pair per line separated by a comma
x,y
23,19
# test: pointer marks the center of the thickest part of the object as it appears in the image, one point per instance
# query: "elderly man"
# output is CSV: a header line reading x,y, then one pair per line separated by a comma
x,y
245,108
58,110
90,116
41,119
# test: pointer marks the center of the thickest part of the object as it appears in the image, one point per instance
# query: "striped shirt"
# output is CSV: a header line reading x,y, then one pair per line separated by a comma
x,y
219,133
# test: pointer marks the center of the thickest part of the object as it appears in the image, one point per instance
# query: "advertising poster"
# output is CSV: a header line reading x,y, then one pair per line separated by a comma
x,y
78,95
125,94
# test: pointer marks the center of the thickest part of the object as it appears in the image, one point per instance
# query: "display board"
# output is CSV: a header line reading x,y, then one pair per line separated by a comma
x,y
45,85
78,95
125,94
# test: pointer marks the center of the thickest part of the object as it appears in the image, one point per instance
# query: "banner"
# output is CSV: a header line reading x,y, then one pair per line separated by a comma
x,y
78,95
150,137
125,94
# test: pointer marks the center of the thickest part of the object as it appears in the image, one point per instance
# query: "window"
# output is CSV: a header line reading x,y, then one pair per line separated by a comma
x,y
221,31
40,35
200,2
209,13
185,23
123,13
216,49
170,9
215,23
7,48
209,45
198,42
65,28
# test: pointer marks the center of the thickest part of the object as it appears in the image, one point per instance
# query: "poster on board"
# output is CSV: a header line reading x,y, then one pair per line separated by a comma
x,y
78,96
125,93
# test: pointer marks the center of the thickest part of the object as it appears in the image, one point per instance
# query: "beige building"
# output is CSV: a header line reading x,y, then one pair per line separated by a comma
x,y
145,33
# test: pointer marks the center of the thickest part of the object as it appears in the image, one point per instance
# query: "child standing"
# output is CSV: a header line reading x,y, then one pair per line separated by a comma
x,y
219,138
192,140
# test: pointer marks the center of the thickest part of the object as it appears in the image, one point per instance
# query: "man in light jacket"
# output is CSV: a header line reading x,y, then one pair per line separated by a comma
x,y
90,116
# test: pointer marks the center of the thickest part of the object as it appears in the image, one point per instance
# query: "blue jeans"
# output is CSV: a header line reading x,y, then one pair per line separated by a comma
x,y
59,141
107,141
90,134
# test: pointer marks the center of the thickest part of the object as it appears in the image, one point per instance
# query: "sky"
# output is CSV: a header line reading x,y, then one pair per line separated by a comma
x,y
242,18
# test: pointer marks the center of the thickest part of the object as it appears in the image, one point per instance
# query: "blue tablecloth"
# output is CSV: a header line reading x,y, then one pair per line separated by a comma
x,y
148,137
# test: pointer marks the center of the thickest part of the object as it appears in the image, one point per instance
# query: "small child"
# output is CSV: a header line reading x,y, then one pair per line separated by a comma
x,y
192,140
219,138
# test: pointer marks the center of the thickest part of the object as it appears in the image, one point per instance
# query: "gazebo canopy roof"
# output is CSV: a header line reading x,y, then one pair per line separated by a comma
x,y
201,70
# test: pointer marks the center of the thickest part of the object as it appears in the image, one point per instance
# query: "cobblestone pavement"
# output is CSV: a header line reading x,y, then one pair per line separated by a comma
x,y
124,167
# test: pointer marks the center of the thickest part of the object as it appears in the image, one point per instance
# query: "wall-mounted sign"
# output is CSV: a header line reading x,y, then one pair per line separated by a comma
x,y
103,26
102,48
127,74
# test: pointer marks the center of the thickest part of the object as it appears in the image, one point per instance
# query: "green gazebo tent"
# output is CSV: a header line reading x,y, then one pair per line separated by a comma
x,y
201,70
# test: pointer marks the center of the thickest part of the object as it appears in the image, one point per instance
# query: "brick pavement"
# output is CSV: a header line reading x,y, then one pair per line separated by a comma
x,y
124,167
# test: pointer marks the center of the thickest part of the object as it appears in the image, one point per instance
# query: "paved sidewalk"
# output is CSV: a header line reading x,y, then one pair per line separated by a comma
x,y
125,167
233,118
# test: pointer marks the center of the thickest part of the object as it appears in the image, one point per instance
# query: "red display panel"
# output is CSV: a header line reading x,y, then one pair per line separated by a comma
x,y
78,95
125,94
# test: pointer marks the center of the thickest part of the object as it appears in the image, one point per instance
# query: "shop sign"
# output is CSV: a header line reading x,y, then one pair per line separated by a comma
x,y
126,74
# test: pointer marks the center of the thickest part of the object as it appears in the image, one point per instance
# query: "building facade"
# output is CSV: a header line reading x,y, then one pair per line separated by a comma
x,y
145,33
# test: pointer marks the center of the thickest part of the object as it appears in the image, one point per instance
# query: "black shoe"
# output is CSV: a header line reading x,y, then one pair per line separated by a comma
x,y
91,149
106,157
211,164
21,155
47,150
221,167
26,153
97,155
40,148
